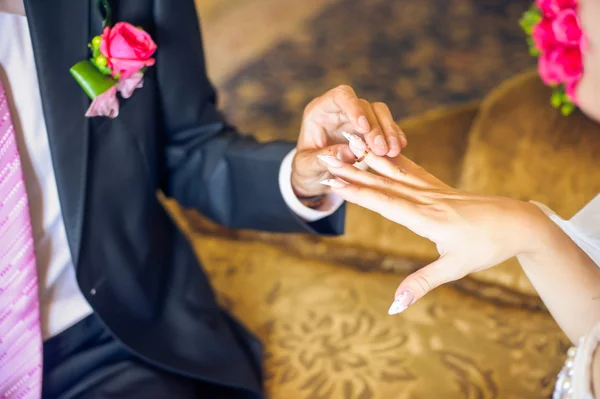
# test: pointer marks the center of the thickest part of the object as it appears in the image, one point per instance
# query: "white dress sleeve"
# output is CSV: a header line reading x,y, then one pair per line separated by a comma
x,y
575,379
583,228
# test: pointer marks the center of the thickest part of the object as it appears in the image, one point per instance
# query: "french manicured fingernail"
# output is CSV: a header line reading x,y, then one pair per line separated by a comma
x,y
364,123
402,301
380,142
334,183
331,161
356,141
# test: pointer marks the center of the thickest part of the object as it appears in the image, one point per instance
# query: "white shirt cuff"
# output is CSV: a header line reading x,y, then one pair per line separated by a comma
x,y
331,204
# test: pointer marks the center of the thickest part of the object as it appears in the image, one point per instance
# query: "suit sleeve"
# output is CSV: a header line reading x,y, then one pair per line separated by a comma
x,y
209,166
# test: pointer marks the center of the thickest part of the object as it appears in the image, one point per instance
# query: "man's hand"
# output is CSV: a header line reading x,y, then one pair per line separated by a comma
x,y
325,120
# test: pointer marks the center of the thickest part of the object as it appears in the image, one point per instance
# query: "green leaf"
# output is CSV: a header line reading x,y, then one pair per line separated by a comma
x,y
104,70
533,50
95,52
556,99
567,109
91,80
530,19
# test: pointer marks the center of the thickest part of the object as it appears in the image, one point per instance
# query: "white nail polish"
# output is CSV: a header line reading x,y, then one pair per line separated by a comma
x,y
348,136
331,161
402,301
334,183
396,308
355,140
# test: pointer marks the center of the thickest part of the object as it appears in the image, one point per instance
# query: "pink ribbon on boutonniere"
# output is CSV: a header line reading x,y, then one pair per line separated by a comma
x,y
106,104
118,61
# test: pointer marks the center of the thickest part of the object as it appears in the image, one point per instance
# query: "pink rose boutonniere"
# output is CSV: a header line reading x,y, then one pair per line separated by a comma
x,y
556,38
117,64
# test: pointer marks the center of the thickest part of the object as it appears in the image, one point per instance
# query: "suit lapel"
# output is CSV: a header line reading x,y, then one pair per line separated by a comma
x,y
60,32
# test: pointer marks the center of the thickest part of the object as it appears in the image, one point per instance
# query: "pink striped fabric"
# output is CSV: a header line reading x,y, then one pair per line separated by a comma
x,y
20,336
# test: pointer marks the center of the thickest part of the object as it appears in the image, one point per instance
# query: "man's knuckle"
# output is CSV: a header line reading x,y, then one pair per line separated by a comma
x,y
311,106
343,91
344,87
377,131
381,106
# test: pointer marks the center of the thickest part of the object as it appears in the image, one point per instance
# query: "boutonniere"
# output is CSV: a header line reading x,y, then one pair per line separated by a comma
x,y
119,57
556,38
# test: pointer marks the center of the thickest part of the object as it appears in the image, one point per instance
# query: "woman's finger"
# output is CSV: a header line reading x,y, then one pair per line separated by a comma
x,y
367,179
389,206
421,282
399,169
395,137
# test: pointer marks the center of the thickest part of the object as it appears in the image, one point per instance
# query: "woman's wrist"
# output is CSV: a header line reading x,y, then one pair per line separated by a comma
x,y
535,229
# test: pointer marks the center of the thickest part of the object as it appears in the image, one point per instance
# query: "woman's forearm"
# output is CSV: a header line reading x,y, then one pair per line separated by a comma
x,y
566,279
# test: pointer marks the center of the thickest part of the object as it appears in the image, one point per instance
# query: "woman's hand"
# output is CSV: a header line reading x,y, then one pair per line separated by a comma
x,y
472,232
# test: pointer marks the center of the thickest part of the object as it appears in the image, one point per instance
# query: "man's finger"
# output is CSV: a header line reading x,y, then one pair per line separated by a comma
x,y
421,282
344,101
375,138
394,136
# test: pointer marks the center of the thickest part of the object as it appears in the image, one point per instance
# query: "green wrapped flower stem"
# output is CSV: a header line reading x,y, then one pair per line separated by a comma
x,y
91,80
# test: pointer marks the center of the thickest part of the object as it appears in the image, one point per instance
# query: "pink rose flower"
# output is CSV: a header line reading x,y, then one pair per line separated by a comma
x,y
569,64
543,36
547,68
563,65
127,48
566,28
550,8
571,91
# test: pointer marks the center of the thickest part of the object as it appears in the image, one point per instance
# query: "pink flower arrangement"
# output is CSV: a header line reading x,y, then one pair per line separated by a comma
x,y
119,59
557,39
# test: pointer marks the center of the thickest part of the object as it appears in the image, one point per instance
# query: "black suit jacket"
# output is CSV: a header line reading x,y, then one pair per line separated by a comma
x,y
134,267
